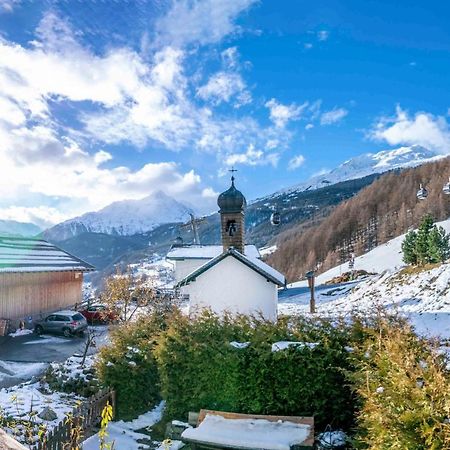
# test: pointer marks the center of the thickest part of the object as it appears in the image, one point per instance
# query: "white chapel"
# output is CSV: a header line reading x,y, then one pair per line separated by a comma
x,y
229,277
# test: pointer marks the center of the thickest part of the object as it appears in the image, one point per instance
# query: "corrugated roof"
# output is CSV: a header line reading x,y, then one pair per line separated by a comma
x,y
205,252
254,263
37,255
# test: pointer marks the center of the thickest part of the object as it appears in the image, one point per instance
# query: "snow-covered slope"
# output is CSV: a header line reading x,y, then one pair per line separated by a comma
x,y
423,296
368,164
125,218
384,257
13,228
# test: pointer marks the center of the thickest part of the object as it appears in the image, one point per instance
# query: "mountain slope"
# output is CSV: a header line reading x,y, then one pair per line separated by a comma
x,y
422,295
124,218
368,164
14,228
385,209
104,250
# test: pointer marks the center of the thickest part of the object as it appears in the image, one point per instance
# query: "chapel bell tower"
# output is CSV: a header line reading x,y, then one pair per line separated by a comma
x,y
232,204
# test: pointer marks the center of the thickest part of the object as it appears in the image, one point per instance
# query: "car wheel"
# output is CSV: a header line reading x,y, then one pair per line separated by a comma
x,y
38,330
67,332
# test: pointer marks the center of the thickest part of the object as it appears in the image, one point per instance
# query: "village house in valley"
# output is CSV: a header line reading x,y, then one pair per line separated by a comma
x,y
36,277
230,277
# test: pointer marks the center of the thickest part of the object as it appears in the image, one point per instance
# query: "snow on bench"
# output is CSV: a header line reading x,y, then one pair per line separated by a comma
x,y
218,429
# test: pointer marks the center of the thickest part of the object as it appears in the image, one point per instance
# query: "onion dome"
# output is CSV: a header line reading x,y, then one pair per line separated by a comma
x,y
232,200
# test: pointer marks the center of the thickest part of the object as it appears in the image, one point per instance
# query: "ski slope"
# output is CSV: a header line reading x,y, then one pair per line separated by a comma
x,y
423,297
386,257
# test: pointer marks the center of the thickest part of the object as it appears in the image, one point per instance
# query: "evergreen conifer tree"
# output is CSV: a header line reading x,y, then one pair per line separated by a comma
x,y
422,241
409,248
430,244
438,245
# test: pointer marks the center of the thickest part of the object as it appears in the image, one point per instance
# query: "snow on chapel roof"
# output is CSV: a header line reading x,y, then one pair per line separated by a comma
x,y
37,255
253,263
205,252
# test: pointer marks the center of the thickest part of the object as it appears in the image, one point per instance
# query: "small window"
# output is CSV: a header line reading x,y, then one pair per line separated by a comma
x,y
62,318
51,318
77,317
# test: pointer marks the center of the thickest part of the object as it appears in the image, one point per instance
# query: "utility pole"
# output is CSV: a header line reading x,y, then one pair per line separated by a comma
x,y
311,280
193,224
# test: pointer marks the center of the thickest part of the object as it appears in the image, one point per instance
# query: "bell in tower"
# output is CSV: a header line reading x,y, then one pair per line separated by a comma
x,y
232,204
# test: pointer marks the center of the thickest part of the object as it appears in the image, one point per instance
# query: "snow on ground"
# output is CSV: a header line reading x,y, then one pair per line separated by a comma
x,y
127,435
20,332
248,433
424,297
157,269
26,401
13,372
384,257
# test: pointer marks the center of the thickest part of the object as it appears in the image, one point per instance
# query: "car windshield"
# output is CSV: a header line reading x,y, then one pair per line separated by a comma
x,y
77,317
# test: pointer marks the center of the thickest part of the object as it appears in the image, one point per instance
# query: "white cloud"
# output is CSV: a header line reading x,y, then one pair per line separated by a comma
x,y
200,22
296,162
309,126
333,116
281,114
43,216
420,128
8,5
230,58
307,45
323,35
36,163
253,157
131,99
222,87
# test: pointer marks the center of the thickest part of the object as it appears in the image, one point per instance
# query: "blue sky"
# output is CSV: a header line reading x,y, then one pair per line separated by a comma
x,y
104,101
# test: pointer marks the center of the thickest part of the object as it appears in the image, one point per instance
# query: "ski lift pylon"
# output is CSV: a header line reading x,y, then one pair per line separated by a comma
x,y
422,193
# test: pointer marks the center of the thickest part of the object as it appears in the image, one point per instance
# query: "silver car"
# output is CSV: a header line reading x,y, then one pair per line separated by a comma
x,y
67,323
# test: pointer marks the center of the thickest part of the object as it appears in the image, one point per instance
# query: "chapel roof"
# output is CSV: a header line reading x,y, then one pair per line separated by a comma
x,y
253,263
204,252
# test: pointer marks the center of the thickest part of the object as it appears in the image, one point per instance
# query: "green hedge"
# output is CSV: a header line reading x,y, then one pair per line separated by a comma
x,y
200,369
129,366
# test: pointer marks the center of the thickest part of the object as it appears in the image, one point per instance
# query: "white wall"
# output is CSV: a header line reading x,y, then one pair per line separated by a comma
x,y
232,286
186,266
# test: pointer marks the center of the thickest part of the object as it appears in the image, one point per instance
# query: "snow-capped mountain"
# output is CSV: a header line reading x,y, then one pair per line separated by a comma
x,y
368,164
14,228
124,218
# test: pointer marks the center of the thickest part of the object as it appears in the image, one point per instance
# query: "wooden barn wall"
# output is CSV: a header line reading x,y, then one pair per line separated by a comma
x,y
30,294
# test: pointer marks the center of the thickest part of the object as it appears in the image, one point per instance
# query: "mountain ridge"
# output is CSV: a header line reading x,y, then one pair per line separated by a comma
x,y
368,164
16,228
124,217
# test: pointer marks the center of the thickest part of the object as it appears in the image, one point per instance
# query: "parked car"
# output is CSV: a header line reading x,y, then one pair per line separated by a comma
x,y
99,314
67,323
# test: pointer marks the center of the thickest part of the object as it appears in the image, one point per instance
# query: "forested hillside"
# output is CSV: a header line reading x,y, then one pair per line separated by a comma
x,y
383,210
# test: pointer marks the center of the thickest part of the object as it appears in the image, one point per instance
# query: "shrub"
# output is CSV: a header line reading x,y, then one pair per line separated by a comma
x,y
129,367
200,369
405,392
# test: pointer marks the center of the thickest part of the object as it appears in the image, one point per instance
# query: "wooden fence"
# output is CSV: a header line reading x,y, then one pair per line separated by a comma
x,y
80,424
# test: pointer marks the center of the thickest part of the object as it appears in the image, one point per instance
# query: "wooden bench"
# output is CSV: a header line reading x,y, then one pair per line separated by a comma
x,y
196,438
